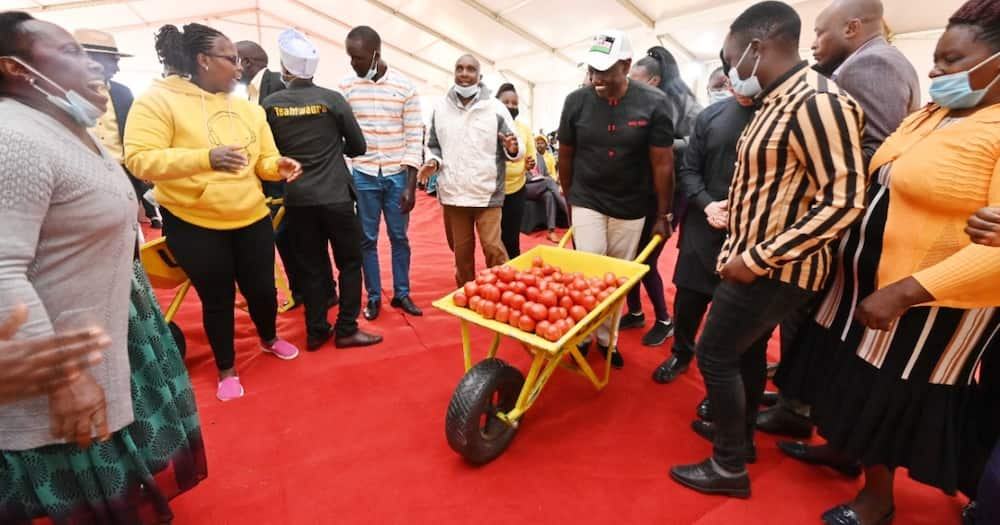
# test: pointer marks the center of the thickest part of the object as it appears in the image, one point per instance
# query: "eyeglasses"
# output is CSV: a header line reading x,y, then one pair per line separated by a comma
x,y
233,59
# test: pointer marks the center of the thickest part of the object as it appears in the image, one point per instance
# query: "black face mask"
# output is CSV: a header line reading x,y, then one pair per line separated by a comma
x,y
514,112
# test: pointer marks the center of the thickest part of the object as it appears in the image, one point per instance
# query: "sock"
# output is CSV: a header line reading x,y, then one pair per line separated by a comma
x,y
725,473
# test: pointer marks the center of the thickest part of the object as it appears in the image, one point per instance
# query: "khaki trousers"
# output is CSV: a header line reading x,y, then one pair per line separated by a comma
x,y
460,226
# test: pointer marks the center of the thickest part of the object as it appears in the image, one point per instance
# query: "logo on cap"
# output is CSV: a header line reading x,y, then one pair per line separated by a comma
x,y
602,44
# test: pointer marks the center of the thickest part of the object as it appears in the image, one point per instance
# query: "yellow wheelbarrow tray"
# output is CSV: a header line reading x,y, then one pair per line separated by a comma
x,y
492,397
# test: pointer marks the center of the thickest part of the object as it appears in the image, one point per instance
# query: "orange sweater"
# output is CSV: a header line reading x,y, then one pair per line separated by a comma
x,y
939,178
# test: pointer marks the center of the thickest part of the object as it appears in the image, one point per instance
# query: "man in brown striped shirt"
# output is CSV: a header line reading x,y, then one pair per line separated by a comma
x,y
799,183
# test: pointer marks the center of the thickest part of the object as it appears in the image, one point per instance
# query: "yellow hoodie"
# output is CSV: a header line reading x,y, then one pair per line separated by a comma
x,y
170,131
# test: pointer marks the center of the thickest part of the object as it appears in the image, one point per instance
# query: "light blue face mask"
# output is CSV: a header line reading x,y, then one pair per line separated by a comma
x,y
955,91
373,70
467,91
749,87
83,112
718,95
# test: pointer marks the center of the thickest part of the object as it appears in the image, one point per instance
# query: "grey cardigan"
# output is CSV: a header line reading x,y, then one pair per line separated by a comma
x,y
67,237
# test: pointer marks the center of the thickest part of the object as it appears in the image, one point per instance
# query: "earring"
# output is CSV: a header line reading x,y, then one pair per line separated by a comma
x,y
205,68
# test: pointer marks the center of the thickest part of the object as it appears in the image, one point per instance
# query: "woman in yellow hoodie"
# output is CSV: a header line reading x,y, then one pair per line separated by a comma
x,y
207,151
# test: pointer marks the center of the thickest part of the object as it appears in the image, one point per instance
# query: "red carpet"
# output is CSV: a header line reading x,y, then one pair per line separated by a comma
x,y
357,436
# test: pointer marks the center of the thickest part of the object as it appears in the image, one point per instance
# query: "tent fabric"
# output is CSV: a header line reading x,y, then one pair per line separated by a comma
x,y
536,44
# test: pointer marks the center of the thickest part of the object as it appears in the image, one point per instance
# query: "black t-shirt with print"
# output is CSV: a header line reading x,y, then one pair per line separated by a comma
x,y
611,139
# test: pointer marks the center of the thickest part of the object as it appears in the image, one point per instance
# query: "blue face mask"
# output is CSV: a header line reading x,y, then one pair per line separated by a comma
x,y
718,95
83,112
749,87
955,91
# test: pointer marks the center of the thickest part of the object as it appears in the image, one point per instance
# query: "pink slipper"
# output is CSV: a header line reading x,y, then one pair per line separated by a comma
x,y
229,389
281,349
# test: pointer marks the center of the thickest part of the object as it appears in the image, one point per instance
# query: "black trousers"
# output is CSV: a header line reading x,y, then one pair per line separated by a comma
x,y
141,187
732,357
510,222
311,229
689,309
217,260
289,259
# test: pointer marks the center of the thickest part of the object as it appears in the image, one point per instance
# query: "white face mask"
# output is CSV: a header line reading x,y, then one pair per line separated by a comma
x,y
373,70
467,91
718,95
83,112
749,87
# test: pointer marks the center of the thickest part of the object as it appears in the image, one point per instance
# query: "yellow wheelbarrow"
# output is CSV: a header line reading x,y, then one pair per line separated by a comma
x,y
492,397
165,274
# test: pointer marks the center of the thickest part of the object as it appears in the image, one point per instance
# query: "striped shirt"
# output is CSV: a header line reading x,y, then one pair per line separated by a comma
x,y
799,180
388,111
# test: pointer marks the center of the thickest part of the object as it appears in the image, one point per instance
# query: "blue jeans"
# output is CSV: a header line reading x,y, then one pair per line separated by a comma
x,y
379,196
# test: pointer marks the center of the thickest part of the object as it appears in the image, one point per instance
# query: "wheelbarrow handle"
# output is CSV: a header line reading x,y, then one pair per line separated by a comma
x,y
644,254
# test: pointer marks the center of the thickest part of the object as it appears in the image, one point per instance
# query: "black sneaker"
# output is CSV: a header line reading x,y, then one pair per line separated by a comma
x,y
659,333
632,320
616,357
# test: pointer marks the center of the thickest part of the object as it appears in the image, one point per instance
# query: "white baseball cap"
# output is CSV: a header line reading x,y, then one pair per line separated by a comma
x,y
607,48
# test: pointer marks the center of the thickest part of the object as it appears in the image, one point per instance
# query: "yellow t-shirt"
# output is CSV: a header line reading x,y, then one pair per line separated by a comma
x,y
515,170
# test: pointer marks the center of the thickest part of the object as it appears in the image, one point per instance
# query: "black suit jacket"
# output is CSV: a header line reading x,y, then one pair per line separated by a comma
x,y
121,99
270,83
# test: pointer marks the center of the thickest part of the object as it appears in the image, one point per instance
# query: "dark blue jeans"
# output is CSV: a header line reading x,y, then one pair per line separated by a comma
x,y
378,196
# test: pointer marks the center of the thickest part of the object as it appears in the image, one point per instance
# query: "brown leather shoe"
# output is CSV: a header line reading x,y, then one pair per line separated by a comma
x,y
358,338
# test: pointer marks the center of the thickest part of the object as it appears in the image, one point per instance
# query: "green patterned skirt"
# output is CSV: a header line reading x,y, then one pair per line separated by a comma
x,y
130,478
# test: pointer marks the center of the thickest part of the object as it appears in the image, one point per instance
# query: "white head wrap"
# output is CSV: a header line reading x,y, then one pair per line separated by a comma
x,y
298,55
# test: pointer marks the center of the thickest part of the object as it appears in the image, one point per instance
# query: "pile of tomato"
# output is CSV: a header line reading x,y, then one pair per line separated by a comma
x,y
542,300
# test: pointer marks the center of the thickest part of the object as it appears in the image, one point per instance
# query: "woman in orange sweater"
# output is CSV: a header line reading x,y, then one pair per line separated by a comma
x,y
899,388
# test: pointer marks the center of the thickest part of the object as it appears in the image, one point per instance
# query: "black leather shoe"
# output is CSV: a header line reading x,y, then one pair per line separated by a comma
x,y
783,422
670,369
804,453
616,357
706,430
314,343
631,320
584,347
407,305
372,310
769,398
358,338
845,515
704,478
704,410
969,514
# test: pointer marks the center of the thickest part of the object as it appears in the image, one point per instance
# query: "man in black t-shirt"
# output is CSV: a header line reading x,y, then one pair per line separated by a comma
x,y
615,149
316,127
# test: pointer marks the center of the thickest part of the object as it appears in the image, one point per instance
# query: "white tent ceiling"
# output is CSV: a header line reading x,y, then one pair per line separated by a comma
x,y
537,44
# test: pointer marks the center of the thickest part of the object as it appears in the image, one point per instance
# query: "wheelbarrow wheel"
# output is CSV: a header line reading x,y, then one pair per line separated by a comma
x,y
178,338
472,427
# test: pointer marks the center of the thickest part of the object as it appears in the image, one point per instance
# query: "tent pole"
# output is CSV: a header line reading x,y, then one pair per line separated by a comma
x,y
260,33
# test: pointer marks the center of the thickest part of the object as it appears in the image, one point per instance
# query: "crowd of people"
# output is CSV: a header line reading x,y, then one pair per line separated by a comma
x,y
824,200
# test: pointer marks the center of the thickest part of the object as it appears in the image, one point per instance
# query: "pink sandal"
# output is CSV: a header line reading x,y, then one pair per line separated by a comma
x,y
281,349
229,389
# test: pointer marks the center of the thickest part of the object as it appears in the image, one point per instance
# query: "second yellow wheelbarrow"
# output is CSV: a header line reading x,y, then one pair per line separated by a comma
x,y
488,405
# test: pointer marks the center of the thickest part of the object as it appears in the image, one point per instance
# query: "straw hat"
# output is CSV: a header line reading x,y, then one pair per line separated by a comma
x,y
94,41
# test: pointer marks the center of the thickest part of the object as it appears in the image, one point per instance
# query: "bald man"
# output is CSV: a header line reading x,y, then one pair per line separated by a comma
x,y
851,49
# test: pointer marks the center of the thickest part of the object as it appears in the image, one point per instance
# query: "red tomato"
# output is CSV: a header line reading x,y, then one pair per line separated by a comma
x,y
622,281
559,289
526,323
544,284
553,314
488,309
548,298
460,299
537,262
576,296
577,312
603,295
556,276
506,297
566,302
589,302
551,333
515,318
519,287
502,286
547,269
486,278
517,302
492,293
538,312
474,302
541,327
580,284
503,313
528,279
537,272
505,273
610,279
471,289
532,293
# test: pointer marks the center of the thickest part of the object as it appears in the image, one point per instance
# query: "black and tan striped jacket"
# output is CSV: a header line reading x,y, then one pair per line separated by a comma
x,y
799,180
